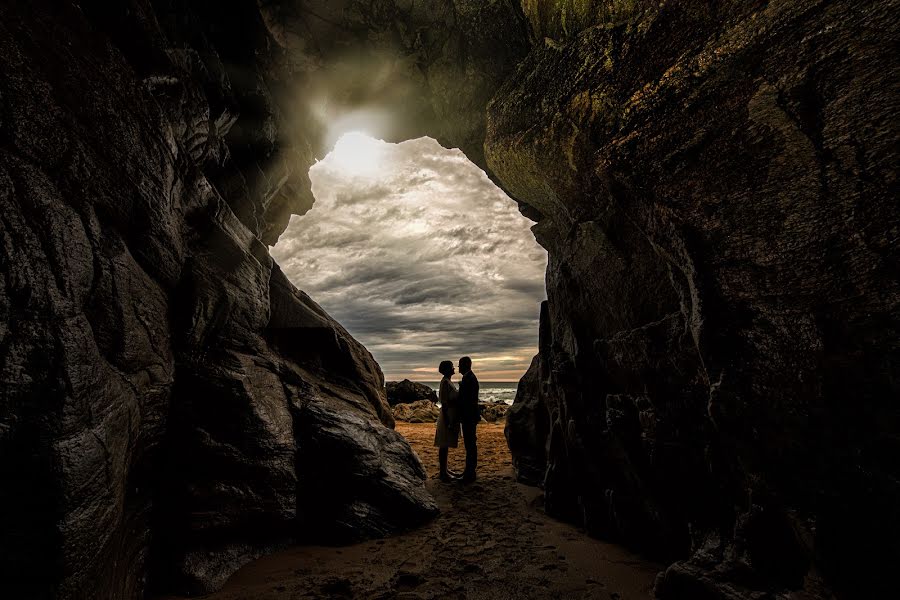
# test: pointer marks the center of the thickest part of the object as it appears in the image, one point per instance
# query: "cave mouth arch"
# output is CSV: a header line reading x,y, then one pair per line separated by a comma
x,y
422,258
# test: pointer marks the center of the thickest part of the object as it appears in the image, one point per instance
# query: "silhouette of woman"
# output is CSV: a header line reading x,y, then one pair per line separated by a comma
x,y
446,433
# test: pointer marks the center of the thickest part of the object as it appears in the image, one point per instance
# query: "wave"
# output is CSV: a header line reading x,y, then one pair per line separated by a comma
x,y
489,391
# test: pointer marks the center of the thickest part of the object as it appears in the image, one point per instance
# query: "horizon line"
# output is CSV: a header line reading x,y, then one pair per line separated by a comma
x,y
433,380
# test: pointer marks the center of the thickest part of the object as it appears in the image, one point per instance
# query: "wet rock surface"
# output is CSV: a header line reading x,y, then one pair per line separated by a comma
x,y
716,190
167,395
406,391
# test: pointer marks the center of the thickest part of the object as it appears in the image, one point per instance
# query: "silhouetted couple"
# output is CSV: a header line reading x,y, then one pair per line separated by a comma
x,y
459,410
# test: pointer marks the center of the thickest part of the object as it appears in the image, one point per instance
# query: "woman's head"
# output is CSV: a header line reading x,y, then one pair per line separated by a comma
x,y
446,368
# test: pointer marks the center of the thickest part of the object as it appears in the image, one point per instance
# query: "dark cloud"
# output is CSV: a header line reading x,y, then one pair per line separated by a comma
x,y
422,259
528,287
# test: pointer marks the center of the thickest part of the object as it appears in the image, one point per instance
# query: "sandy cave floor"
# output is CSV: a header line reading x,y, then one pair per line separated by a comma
x,y
491,541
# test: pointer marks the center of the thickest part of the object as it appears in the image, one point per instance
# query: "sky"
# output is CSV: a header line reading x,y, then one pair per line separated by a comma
x,y
420,257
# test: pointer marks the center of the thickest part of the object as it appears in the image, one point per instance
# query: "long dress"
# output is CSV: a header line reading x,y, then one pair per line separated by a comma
x,y
444,435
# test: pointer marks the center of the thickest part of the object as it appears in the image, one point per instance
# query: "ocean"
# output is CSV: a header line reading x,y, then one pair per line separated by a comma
x,y
488,391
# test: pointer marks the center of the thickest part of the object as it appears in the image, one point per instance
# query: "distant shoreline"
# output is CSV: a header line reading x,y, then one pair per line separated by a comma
x,y
490,391
428,382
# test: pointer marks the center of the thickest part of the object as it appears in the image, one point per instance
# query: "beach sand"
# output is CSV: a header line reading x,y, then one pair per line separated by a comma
x,y
491,541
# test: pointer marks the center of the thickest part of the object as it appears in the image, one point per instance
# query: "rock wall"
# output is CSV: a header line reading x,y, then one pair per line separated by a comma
x,y
716,186
171,406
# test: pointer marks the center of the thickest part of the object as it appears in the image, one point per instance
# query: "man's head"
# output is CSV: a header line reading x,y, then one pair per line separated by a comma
x,y
465,365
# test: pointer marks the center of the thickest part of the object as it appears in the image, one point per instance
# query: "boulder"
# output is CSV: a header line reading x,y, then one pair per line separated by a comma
x,y
406,391
491,412
527,427
421,411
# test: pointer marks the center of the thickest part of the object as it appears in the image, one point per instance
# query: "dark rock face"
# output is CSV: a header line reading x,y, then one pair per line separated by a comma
x,y
169,401
528,420
716,186
406,391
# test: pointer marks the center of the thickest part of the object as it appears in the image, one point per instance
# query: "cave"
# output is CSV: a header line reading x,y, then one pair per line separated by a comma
x,y
714,183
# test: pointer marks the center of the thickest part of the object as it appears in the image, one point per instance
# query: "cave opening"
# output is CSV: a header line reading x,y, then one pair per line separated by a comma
x,y
422,258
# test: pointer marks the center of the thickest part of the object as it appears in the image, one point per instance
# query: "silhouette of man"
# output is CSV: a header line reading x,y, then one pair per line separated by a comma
x,y
469,415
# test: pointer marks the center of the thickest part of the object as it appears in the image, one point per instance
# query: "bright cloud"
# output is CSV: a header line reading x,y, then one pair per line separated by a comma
x,y
422,259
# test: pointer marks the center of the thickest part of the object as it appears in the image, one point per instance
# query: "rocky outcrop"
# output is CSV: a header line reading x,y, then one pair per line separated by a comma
x,y
406,391
420,411
425,411
715,185
527,427
491,412
171,406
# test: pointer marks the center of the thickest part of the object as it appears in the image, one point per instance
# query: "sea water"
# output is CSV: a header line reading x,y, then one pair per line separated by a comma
x,y
488,391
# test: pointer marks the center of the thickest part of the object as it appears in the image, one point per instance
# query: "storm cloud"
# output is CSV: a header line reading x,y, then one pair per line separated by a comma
x,y
422,259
